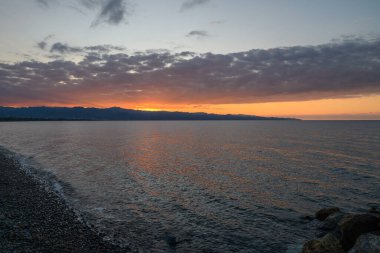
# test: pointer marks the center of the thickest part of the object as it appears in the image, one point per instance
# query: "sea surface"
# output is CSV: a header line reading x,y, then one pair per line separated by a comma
x,y
216,186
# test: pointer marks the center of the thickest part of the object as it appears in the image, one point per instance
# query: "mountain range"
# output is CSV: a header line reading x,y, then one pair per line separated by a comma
x,y
113,113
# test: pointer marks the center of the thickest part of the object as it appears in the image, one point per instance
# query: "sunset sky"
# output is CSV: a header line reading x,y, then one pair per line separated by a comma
x,y
294,58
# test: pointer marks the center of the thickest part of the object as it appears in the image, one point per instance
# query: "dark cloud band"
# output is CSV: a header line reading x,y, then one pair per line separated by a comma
x,y
345,69
64,48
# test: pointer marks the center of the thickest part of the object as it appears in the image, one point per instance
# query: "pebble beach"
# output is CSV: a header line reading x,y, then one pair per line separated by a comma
x,y
35,220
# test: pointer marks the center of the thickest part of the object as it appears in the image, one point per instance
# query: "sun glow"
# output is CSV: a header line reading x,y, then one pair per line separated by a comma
x,y
150,109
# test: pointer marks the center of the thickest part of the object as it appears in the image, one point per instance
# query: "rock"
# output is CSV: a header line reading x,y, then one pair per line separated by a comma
x,y
367,243
345,219
325,212
354,226
327,244
331,222
330,225
374,210
294,248
307,217
171,240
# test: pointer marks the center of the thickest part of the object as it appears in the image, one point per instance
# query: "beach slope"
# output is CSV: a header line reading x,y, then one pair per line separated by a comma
x,y
35,220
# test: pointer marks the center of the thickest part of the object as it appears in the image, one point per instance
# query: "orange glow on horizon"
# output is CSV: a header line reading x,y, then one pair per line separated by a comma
x,y
366,105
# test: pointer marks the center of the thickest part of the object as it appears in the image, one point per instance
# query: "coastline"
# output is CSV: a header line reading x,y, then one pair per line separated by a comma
x,y
35,220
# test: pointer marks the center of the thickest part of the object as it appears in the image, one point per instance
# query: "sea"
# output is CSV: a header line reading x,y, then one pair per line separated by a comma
x,y
208,186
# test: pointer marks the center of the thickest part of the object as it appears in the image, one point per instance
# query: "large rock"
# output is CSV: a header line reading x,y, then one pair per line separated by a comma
x,y
325,212
367,243
327,244
330,225
353,227
374,210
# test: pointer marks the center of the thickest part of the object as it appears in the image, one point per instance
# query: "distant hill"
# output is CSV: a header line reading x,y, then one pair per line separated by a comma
x,y
114,113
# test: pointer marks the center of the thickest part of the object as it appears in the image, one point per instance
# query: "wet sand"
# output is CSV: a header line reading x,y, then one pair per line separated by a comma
x,y
35,220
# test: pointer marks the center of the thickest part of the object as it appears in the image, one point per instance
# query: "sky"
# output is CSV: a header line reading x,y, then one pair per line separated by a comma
x,y
289,58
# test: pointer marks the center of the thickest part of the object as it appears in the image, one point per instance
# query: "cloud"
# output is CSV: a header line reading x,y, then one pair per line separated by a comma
x,y
347,68
198,34
217,22
44,3
112,12
189,4
103,48
42,45
63,48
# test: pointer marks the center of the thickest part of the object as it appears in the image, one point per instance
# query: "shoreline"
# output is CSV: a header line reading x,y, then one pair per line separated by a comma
x,y
35,220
